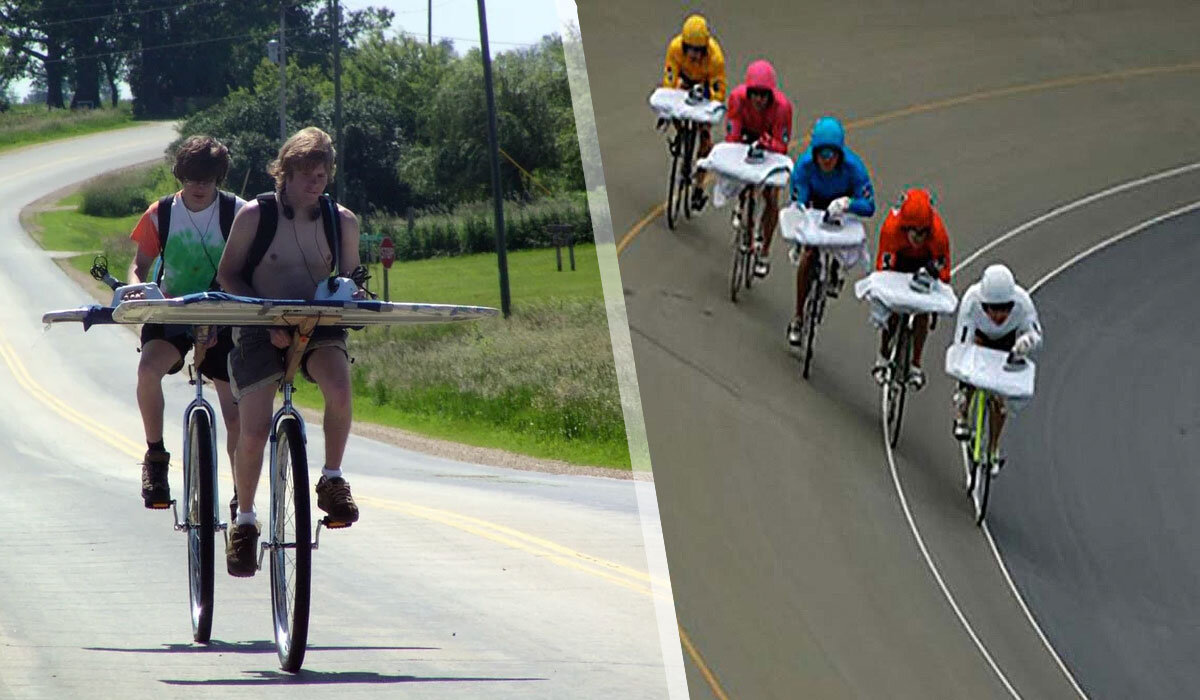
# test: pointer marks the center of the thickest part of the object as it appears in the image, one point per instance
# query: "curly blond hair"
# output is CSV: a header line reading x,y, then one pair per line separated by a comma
x,y
305,150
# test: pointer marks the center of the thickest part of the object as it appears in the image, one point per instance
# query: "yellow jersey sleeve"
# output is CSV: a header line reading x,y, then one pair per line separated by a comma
x,y
716,71
674,63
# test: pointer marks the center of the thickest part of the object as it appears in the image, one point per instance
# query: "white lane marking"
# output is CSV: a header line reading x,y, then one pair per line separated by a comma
x,y
1071,206
937,575
1149,223
991,542
1137,228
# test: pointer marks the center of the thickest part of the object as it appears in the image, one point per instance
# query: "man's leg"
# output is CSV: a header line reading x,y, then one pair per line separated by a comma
x,y
158,358
998,415
962,400
770,217
254,415
700,177
329,367
916,375
230,416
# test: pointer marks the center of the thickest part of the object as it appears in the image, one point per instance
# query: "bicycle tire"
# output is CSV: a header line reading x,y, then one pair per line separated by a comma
x,y
685,178
673,190
200,478
748,229
289,497
735,275
812,312
982,466
898,383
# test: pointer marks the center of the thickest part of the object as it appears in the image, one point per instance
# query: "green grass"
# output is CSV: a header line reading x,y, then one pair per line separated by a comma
x,y
541,383
24,125
475,279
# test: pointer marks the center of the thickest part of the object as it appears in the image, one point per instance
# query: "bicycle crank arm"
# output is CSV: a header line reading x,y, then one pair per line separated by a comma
x,y
329,524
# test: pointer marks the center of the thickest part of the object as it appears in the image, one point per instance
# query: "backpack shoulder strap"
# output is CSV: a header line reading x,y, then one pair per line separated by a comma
x,y
164,228
225,207
333,230
268,220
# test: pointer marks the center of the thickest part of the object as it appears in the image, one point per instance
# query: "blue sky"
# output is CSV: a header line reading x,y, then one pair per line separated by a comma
x,y
511,23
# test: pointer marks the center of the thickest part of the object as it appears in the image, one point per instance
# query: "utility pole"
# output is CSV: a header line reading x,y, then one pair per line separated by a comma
x,y
339,191
429,13
282,72
501,252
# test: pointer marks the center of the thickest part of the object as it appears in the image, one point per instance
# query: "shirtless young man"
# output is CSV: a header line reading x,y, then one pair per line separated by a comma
x,y
297,260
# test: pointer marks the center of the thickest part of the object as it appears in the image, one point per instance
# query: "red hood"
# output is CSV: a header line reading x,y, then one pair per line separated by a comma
x,y
916,211
760,75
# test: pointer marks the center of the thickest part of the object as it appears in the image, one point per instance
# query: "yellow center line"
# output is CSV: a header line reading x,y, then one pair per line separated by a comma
x,y
613,572
1070,81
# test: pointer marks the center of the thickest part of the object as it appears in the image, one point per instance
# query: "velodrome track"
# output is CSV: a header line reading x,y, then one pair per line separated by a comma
x,y
808,561
460,581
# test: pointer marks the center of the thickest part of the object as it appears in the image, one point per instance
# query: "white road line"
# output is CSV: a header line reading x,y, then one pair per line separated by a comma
x,y
1012,233
1071,206
937,575
1149,223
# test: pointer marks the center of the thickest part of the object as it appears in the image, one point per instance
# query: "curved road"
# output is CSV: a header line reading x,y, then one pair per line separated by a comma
x,y
795,569
460,580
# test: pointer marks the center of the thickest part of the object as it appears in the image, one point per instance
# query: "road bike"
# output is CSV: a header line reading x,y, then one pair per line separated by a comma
x,y
687,112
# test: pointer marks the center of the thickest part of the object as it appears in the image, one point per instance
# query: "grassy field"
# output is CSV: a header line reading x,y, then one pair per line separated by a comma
x,y
23,125
540,383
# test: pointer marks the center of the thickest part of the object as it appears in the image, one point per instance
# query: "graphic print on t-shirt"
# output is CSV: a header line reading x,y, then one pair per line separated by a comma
x,y
194,246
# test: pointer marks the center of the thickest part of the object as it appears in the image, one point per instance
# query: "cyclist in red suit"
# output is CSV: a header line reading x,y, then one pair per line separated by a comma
x,y
759,111
913,237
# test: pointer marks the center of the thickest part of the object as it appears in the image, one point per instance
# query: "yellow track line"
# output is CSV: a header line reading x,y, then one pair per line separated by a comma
x,y
924,107
709,677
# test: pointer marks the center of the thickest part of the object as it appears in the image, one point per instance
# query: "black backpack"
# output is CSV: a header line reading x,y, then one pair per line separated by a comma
x,y
225,209
268,221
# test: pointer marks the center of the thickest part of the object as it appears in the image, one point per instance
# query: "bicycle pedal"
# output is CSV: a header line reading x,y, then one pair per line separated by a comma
x,y
334,524
160,505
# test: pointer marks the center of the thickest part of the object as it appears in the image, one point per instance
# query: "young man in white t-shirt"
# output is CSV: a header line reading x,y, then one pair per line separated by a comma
x,y
196,222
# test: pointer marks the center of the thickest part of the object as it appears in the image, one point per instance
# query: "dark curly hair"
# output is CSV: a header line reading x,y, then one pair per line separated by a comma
x,y
201,158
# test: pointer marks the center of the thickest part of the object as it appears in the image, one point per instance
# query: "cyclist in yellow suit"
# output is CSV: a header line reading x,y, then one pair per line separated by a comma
x,y
694,58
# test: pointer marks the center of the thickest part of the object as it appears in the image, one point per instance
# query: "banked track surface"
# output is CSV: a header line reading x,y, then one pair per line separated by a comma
x,y
793,568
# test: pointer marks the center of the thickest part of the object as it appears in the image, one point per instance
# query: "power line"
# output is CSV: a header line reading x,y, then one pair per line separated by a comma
x,y
167,46
113,15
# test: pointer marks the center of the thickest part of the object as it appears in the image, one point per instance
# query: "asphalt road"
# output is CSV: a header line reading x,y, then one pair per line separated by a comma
x,y
794,566
459,581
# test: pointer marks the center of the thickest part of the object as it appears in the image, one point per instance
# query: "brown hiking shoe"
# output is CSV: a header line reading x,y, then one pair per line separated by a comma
x,y
156,491
333,497
241,555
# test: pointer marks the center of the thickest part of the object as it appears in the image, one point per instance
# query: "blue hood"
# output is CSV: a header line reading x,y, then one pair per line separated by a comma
x,y
828,131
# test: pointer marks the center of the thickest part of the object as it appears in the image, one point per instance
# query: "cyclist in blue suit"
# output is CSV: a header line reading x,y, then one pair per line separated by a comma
x,y
831,177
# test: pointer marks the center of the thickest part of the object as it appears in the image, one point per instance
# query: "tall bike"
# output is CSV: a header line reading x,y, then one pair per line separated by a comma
x,y
201,520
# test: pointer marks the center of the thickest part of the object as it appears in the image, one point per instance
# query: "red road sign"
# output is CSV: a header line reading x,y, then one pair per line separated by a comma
x,y
387,252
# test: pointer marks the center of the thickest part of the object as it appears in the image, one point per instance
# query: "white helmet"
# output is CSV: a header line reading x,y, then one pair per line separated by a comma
x,y
997,285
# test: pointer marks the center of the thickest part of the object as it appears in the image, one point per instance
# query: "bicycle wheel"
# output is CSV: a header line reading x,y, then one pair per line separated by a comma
x,y
291,545
735,275
748,228
980,456
199,475
674,193
685,178
897,385
812,312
